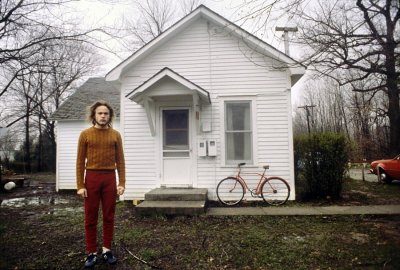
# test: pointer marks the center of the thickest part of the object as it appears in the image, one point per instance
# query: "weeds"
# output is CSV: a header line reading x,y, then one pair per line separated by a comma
x,y
56,238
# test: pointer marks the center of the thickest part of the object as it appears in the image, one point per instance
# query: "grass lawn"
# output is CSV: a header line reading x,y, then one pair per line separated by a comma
x,y
39,236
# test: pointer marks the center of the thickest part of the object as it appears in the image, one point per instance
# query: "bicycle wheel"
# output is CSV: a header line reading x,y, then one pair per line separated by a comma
x,y
230,191
275,191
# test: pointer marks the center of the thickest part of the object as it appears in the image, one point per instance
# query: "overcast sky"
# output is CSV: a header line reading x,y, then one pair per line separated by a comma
x,y
109,13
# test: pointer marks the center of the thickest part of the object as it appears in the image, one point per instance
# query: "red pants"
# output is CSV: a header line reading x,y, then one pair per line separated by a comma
x,y
101,187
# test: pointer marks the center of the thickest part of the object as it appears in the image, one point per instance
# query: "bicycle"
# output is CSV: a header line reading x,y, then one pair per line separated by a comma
x,y
273,190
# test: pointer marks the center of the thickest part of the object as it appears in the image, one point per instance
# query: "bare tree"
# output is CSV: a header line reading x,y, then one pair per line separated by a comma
x,y
354,42
368,123
155,16
259,15
8,145
188,6
26,27
39,90
327,106
360,39
25,94
337,108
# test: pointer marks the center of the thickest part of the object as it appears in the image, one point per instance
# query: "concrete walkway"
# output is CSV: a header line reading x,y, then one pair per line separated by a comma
x,y
311,210
305,211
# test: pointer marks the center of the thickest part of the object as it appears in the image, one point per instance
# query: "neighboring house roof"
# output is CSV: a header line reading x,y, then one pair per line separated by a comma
x,y
94,89
296,68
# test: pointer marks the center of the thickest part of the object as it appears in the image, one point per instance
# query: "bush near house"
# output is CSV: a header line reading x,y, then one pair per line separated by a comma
x,y
321,162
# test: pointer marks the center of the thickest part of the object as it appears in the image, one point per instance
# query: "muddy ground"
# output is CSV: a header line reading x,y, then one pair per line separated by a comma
x,y
42,229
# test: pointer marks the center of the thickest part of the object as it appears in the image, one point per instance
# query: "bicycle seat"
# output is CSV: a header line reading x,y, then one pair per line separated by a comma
x,y
266,167
241,164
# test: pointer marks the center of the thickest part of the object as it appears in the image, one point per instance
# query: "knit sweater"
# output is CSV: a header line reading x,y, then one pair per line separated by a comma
x,y
100,150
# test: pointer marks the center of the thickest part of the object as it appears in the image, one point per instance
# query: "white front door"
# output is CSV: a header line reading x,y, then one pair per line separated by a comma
x,y
176,147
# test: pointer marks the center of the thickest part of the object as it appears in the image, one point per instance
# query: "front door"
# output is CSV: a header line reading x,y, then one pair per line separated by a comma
x,y
176,147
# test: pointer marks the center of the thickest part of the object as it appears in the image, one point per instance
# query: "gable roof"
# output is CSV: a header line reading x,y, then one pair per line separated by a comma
x,y
202,11
167,72
94,89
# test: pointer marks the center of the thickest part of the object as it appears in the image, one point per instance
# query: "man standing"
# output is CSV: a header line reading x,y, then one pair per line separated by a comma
x,y
100,153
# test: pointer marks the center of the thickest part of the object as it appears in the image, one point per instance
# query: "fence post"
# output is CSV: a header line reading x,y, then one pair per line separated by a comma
x,y
363,169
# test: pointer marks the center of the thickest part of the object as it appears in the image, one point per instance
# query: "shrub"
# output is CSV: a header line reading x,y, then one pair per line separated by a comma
x,y
321,161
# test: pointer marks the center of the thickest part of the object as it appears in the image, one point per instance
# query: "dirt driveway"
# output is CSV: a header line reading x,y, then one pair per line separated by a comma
x,y
357,174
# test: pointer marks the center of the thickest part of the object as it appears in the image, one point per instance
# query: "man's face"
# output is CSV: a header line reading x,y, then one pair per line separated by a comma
x,y
102,116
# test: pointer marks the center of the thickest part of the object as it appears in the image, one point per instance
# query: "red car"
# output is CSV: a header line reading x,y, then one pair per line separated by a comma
x,y
386,169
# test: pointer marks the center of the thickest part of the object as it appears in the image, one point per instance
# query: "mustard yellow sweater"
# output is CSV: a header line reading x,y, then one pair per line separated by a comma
x,y
100,149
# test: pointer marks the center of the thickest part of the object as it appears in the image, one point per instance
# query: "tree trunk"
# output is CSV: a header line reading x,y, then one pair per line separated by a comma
x,y
27,146
40,144
393,91
394,117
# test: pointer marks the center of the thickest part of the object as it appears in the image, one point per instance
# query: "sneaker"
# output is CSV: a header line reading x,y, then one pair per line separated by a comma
x,y
90,260
109,257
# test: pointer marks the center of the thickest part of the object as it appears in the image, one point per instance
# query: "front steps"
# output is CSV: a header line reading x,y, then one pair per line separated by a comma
x,y
174,201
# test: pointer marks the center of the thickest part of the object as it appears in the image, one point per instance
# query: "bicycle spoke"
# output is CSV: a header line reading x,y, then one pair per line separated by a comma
x,y
230,191
275,191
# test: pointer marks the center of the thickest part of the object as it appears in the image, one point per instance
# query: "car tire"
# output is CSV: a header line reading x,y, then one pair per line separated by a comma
x,y
383,177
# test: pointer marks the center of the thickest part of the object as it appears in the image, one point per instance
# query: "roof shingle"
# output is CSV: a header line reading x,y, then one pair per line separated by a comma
x,y
94,89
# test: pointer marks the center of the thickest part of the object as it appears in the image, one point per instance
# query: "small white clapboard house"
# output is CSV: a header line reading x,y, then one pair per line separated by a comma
x,y
194,102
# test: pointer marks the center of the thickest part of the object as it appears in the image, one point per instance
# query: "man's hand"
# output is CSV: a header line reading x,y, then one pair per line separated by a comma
x,y
120,190
82,192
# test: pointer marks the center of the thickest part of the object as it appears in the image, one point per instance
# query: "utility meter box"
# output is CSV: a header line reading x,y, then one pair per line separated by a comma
x,y
206,126
202,149
212,148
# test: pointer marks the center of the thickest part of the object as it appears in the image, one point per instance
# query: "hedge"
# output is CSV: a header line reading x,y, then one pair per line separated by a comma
x,y
321,161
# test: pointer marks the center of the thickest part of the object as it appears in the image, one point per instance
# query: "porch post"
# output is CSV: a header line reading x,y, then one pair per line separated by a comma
x,y
196,108
149,108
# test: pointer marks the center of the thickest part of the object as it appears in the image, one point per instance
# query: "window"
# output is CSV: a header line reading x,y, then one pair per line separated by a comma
x,y
238,132
175,133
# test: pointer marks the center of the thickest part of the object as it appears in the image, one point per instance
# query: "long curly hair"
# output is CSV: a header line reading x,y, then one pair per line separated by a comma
x,y
92,111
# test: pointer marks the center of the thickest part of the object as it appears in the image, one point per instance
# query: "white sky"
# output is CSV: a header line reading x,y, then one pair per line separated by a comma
x,y
110,12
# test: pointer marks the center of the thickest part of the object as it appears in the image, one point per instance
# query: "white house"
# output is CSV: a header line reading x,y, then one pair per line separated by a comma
x,y
192,103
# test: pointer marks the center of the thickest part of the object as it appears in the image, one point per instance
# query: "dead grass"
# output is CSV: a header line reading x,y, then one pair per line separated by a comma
x,y
52,236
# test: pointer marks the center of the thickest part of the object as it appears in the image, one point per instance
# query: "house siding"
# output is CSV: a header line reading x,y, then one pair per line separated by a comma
x,y
225,67
67,145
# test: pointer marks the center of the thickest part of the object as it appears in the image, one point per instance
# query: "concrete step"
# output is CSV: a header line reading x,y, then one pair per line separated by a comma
x,y
186,208
176,194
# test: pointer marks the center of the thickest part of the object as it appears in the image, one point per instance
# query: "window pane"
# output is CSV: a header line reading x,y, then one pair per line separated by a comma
x,y
175,129
176,138
238,131
238,146
176,119
238,116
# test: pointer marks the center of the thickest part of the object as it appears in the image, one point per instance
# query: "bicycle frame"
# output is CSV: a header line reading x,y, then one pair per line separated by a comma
x,y
274,190
257,191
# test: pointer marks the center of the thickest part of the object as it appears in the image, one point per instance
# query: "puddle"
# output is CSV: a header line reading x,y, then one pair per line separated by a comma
x,y
64,211
32,201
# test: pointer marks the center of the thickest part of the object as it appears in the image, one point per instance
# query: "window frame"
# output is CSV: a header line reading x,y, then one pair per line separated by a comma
x,y
253,137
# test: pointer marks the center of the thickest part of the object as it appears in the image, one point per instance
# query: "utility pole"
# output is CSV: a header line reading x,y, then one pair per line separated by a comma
x,y
307,107
286,31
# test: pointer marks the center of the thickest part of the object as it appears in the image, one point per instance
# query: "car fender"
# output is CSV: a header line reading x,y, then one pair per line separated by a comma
x,y
380,166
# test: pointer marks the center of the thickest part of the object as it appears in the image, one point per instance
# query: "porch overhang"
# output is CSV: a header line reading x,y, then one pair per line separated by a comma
x,y
168,85
144,92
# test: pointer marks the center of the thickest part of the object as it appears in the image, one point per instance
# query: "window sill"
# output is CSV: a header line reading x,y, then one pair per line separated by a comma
x,y
235,166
